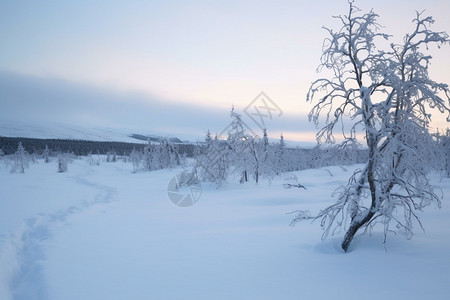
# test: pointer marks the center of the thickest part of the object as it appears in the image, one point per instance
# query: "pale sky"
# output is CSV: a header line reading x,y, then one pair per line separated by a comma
x,y
176,66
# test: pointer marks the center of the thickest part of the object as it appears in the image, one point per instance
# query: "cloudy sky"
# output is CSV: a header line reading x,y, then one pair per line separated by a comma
x,y
175,67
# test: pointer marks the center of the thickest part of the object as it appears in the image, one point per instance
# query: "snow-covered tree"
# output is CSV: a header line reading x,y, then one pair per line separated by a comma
x,y
281,150
268,164
20,160
111,156
240,154
156,156
63,160
265,145
147,157
239,143
208,138
254,158
46,154
135,159
93,160
167,155
446,152
212,161
385,92
250,156
442,156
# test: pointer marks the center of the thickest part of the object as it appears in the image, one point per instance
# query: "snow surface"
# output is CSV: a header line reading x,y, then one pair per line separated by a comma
x,y
101,232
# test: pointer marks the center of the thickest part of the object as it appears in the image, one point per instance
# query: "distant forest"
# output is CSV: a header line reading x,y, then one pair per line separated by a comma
x,y
79,147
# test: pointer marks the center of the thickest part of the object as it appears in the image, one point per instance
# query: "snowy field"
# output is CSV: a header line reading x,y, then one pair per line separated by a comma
x,y
101,232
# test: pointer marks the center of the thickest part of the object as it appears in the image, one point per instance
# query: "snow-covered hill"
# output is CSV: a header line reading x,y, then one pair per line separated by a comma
x,y
48,130
77,132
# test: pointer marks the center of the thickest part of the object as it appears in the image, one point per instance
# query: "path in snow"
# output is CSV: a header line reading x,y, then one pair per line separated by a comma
x,y
22,252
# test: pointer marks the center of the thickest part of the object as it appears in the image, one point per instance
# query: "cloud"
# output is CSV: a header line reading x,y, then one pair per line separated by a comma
x,y
51,100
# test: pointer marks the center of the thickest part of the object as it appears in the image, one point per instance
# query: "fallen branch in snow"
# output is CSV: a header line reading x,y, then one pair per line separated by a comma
x,y
329,172
288,186
300,216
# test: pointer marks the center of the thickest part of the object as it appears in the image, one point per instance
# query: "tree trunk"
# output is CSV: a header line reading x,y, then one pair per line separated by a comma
x,y
354,227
